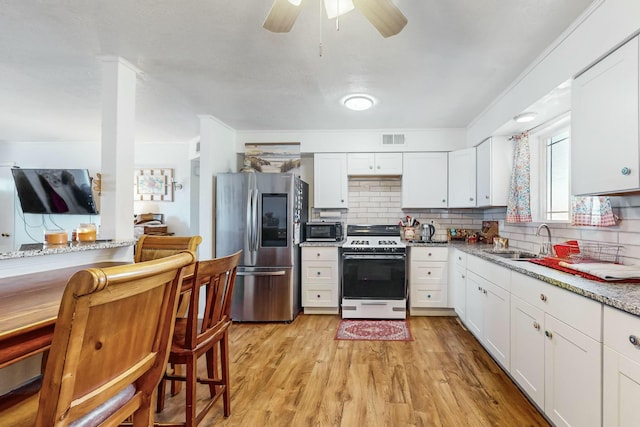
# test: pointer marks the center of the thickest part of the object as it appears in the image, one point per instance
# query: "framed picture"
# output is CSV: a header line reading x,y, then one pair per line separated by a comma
x,y
153,184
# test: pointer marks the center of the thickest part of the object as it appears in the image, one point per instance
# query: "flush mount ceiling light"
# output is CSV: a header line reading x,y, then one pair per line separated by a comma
x,y
525,117
358,102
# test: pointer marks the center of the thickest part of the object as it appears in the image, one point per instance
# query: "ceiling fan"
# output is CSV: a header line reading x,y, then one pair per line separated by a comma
x,y
382,14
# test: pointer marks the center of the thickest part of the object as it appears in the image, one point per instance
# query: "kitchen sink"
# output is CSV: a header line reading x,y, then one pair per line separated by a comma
x,y
513,255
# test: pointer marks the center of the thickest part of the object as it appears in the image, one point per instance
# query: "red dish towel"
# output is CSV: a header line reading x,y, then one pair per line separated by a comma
x,y
555,264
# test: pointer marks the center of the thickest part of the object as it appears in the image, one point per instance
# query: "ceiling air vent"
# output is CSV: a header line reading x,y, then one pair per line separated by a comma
x,y
393,139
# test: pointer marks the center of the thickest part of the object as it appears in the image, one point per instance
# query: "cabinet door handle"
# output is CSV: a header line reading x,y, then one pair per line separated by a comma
x,y
479,288
317,273
548,334
463,276
370,166
543,297
429,253
471,199
536,325
484,291
318,254
341,200
625,171
378,166
444,200
634,340
486,197
429,296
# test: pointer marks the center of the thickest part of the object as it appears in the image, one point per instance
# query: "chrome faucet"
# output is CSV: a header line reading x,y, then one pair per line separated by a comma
x,y
545,248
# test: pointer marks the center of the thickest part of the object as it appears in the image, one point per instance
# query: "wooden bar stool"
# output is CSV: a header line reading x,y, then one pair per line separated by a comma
x,y
194,337
109,348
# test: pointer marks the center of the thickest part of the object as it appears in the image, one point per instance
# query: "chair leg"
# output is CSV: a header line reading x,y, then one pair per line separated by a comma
x,y
212,369
161,393
191,397
224,359
176,386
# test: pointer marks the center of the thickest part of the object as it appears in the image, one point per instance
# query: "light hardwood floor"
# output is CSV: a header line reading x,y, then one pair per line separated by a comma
x,y
298,375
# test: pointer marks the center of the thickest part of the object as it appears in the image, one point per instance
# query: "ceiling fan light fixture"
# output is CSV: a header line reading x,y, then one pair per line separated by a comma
x,y
358,102
525,117
336,8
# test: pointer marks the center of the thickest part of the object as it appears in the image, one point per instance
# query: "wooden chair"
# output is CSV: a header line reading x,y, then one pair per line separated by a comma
x,y
153,247
194,337
109,349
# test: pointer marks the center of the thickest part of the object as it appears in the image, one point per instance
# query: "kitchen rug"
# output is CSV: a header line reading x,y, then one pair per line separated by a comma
x,y
373,330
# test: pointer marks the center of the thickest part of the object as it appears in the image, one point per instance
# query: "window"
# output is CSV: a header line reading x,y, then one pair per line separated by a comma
x,y
557,177
550,172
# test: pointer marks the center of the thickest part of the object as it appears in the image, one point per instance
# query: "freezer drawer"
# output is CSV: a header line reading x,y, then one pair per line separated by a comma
x,y
265,294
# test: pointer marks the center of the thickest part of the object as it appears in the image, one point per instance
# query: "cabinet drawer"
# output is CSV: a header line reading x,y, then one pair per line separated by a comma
x,y
494,273
579,312
423,272
460,258
319,298
619,329
319,272
428,254
427,296
320,254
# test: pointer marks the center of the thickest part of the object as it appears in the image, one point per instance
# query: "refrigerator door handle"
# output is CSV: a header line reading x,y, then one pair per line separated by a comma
x,y
254,225
261,273
250,219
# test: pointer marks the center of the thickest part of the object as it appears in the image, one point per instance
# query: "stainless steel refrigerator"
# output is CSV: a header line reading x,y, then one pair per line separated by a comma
x,y
262,214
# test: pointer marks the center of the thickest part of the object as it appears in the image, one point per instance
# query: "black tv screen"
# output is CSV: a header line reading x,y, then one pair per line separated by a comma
x,y
54,191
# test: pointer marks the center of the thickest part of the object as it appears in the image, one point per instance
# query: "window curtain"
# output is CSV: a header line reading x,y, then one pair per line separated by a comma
x,y
519,202
592,211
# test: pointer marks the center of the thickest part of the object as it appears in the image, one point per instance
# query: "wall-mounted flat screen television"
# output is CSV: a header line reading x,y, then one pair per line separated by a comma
x,y
54,191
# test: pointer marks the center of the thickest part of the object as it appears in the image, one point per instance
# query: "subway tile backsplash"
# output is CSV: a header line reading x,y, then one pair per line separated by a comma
x,y
378,200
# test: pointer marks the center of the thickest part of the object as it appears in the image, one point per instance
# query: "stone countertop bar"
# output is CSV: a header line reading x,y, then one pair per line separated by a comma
x,y
68,248
623,296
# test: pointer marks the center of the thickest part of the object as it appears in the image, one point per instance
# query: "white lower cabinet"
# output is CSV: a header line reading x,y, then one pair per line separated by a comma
x,y
621,369
556,351
427,278
320,284
488,316
458,280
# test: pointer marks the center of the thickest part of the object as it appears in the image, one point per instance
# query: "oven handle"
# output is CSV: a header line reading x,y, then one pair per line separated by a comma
x,y
374,256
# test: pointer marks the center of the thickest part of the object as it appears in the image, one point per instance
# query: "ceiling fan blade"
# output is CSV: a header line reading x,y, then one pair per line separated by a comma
x,y
282,16
383,14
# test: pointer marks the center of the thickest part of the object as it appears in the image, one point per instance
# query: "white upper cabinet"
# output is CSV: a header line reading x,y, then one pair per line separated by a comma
x,y
424,180
494,160
374,163
330,181
604,125
462,178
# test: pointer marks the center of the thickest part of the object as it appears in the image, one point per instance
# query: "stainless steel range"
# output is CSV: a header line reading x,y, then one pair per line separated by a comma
x,y
374,273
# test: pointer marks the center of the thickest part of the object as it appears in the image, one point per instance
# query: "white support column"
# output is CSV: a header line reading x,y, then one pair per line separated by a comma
x,y
118,140
217,154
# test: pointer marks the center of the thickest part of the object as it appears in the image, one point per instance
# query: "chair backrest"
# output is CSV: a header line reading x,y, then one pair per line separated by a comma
x,y
111,341
218,277
153,247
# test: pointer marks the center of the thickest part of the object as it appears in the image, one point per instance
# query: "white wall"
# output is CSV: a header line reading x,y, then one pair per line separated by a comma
x,y
605,25
340,141
30,228
162,156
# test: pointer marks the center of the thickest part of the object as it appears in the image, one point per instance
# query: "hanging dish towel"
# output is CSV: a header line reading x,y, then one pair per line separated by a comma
x,y
606,271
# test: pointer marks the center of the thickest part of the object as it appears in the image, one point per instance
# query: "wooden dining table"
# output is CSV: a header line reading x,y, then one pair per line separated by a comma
x,y
29,308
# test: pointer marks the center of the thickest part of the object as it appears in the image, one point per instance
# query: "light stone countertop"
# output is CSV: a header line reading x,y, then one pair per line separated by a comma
x,y
623,296
322,244
68,248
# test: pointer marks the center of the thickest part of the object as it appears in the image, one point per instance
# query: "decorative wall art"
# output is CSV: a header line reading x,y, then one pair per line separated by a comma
x,y
153,184
272,157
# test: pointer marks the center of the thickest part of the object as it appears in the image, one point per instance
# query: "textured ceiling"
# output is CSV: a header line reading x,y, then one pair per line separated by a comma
x,y
213,57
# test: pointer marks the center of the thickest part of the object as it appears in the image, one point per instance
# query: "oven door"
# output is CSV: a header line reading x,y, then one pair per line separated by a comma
x,y
374,276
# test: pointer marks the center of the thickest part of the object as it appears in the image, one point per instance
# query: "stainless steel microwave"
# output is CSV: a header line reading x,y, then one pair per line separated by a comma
x,y
323,231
